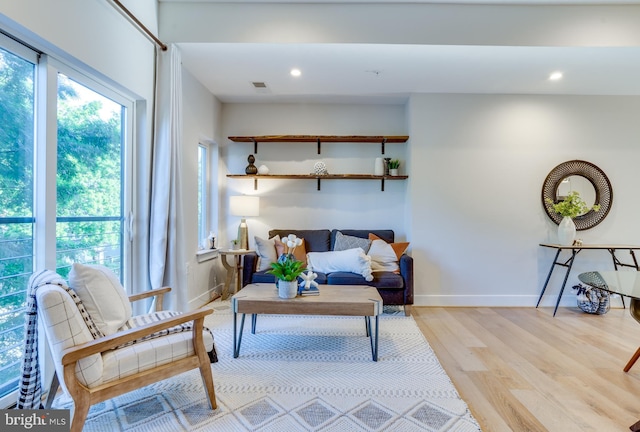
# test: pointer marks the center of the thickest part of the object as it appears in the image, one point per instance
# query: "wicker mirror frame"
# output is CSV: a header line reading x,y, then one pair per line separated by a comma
x,y
600,182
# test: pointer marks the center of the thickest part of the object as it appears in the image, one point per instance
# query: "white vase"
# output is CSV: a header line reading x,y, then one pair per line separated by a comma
x,y
287,289
378,168
393,172
566,231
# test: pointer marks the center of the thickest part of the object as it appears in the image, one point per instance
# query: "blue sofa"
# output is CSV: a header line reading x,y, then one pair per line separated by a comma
x,y
395,289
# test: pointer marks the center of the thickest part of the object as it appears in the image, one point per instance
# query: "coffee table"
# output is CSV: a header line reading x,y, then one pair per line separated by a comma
x,y
341,300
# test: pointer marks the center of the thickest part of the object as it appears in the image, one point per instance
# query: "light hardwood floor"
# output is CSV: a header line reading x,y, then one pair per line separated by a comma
x,y
521,369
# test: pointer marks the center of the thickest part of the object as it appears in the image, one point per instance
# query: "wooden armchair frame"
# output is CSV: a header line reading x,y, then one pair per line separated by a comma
x,y
83,397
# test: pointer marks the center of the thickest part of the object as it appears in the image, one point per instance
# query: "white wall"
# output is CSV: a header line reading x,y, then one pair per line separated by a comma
x,y
296,204
200,125
477,167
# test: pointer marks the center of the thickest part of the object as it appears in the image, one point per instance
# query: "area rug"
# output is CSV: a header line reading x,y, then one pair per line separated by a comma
x,y
300,373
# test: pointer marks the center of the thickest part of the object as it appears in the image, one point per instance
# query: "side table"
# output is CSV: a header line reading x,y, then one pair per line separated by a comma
x,y
233,269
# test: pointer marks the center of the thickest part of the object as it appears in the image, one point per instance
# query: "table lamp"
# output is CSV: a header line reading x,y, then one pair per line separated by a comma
x,y
244,206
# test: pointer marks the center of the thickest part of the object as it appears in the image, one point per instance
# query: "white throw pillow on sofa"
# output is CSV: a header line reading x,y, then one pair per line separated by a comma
x,y
266,250
350,260
102,294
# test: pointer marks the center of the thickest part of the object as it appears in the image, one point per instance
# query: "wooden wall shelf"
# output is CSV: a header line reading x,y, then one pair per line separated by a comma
x,y
371,139
319,178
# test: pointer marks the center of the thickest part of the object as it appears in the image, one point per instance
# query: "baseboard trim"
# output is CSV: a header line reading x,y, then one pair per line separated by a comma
x,y
568,300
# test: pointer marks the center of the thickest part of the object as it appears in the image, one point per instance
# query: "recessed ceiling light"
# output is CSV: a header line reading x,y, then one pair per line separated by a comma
x,y
555,76
295,72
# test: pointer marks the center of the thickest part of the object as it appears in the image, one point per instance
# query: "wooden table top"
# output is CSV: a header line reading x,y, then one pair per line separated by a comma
x,y
341,300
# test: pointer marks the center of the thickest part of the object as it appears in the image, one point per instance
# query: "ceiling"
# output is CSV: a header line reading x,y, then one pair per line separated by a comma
x,y
389,73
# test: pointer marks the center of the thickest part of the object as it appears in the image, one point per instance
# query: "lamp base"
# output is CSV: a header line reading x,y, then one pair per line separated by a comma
x,y
243,234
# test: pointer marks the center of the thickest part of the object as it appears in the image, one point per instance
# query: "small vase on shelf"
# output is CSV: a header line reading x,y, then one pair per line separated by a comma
x,y
566,231
393,172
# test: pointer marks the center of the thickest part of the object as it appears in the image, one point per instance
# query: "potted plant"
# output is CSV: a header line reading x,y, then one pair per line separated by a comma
x,y
569,208
287,269
235,243
394,164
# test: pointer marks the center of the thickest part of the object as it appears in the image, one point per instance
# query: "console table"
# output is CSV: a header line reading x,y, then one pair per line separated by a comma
x,y
233,270
575,249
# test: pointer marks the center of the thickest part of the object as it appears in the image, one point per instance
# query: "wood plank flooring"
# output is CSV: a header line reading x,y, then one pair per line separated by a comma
x,y
522,370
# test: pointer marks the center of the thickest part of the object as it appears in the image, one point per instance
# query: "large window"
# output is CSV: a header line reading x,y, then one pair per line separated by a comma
x,y
17,81
68,205
203,193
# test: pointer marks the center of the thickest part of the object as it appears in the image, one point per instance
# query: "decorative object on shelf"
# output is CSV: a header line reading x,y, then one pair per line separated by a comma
x,y
251,168
263,169
595,183
211,240
386,166
378,167
320,169
569,208
235,244
394,164
244,206
287,269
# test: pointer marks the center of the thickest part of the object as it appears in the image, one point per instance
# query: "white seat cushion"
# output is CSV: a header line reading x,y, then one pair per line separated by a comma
x,y
146,355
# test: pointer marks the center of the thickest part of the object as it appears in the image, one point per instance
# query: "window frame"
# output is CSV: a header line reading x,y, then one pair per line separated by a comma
x,y
45,166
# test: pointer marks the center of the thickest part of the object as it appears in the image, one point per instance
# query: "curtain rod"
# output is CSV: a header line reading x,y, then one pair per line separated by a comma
x,y
141,26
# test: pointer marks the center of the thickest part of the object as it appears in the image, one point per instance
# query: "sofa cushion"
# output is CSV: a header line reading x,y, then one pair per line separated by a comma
x,y
315,240
351,260
386,235
266,250
385,256
345,242
264,277
387,280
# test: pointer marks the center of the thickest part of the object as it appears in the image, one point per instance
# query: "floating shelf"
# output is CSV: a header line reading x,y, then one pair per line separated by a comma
x,y
319,178
371,139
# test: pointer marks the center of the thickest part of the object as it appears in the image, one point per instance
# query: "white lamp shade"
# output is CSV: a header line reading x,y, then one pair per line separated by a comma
x,y
244,205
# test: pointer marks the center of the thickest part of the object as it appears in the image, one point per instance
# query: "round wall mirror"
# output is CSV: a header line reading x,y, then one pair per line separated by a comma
x,y
587,179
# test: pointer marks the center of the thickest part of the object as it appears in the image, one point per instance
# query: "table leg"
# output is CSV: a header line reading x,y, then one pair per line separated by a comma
x,y
227,282
254,319
634,309
374,337
544,287
367,325
237,336
568,264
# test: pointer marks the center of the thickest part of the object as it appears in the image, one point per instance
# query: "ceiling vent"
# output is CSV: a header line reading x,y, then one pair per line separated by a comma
x,y
259,85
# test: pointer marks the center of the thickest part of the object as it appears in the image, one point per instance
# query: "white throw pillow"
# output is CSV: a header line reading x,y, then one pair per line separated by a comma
x,y
350,260
102,294
383,257
266,250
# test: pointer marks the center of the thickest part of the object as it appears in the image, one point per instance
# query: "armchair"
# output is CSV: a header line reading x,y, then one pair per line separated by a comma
x,y
145,350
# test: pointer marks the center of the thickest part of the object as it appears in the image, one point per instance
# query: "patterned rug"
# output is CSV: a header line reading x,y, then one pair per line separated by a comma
x,y
300,373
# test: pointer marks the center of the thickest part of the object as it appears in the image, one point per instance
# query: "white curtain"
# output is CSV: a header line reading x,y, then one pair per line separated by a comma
x,y
165,248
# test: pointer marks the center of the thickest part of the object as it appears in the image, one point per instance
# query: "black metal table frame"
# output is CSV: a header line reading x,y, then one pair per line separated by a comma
x,y
569,263
237,336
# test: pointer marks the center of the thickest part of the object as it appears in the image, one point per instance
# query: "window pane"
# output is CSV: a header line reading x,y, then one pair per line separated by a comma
x,y
89,178
202,195
16,208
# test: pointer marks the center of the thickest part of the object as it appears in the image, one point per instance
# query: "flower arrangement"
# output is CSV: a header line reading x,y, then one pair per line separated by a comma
x,y
287,268
572,206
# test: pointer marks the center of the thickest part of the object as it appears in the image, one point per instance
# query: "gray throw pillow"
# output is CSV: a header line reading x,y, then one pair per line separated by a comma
x,y
345,242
